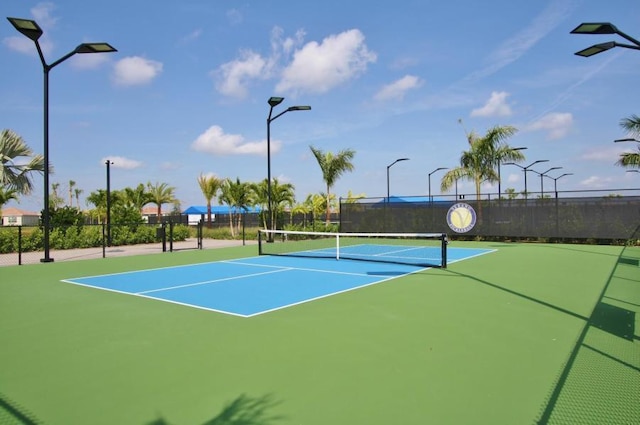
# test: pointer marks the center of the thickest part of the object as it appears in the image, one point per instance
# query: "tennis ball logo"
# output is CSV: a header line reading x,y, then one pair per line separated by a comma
x,y
461,218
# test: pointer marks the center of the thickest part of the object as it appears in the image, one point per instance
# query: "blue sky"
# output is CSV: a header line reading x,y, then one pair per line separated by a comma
x,y
187,91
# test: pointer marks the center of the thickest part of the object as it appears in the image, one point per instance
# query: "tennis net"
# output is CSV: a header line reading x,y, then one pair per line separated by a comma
x,y
419,249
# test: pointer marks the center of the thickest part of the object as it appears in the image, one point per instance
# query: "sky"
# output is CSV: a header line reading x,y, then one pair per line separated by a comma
x,y
186,93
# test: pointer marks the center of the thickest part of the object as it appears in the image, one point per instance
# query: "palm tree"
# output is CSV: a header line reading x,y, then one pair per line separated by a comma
x,y
137,197
479,163
303,209
99,201
630,159
261,198
209,186
71,185
160,193
282,196
7,194
77,193
55,200
238,196
15,174
333,166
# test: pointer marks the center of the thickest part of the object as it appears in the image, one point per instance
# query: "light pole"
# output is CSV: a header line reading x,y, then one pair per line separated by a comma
x,y
603,28
555,181
525,169
437,169
541,180
108,163
275,101
626,140
32,30
500,178
389,166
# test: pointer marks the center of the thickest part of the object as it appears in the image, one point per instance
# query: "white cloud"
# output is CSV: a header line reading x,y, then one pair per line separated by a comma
x,y
513,178
20,43
608,154
216,142
42,14
597,182
319,67
496,106
557,124
234,16
122,162
398,88
234,76
192,36
134,70
518,44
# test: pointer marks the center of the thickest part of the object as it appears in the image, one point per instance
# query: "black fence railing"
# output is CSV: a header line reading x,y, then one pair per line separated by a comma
x,y
24,244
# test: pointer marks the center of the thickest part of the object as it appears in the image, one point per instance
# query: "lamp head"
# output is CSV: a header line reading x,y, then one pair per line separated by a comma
x,y
95,48
595,49
27,27
595,28
275,101
299,108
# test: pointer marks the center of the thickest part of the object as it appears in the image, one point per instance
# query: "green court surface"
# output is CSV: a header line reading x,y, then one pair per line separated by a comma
x,y
529,334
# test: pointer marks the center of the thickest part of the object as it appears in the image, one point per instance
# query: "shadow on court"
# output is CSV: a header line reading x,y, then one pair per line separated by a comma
x,y
244,410
600,380
13,413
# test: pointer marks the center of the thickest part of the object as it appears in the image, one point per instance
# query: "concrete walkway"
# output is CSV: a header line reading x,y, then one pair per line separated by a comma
x,y
116,251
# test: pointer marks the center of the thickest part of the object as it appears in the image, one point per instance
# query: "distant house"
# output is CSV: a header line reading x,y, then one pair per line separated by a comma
x,y
15,217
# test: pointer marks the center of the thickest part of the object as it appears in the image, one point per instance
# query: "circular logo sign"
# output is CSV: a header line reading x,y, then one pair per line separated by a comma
x,y
461,218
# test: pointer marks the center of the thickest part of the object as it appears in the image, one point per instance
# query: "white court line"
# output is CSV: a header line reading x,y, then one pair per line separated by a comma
x,y
296,268
206,282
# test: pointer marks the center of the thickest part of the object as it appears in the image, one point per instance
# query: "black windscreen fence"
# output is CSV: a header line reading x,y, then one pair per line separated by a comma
x,y
563,218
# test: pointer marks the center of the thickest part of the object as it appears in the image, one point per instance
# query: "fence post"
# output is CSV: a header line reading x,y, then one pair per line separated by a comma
x,y
104,243
20,245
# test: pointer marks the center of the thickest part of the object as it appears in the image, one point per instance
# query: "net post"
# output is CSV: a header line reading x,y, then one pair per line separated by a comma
x,y
445,242
337,246
259,242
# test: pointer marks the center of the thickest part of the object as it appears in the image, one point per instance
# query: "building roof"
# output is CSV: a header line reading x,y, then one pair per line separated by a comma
x,y
217,209
12,211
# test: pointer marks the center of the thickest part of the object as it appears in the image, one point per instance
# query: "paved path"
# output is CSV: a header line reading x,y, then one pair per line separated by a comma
x,y
116,251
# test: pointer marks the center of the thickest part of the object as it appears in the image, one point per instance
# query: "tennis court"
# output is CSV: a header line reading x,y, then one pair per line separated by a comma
x,y
251,286
517,334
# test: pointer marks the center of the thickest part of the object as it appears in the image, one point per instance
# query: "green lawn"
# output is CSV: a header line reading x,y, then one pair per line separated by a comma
x,y
532,333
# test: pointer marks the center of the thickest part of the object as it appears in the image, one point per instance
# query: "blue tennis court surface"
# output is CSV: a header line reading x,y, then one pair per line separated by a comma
x,y
251,286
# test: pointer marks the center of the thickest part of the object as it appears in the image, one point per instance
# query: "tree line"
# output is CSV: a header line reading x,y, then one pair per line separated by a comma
x,y
19,164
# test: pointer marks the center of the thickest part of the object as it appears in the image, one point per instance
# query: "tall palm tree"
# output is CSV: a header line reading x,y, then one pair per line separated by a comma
x,y
55,200
14,173
332,167
630,159
71,185
261,198
77,192
238,196
209,186
282,195
160,193
479,163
